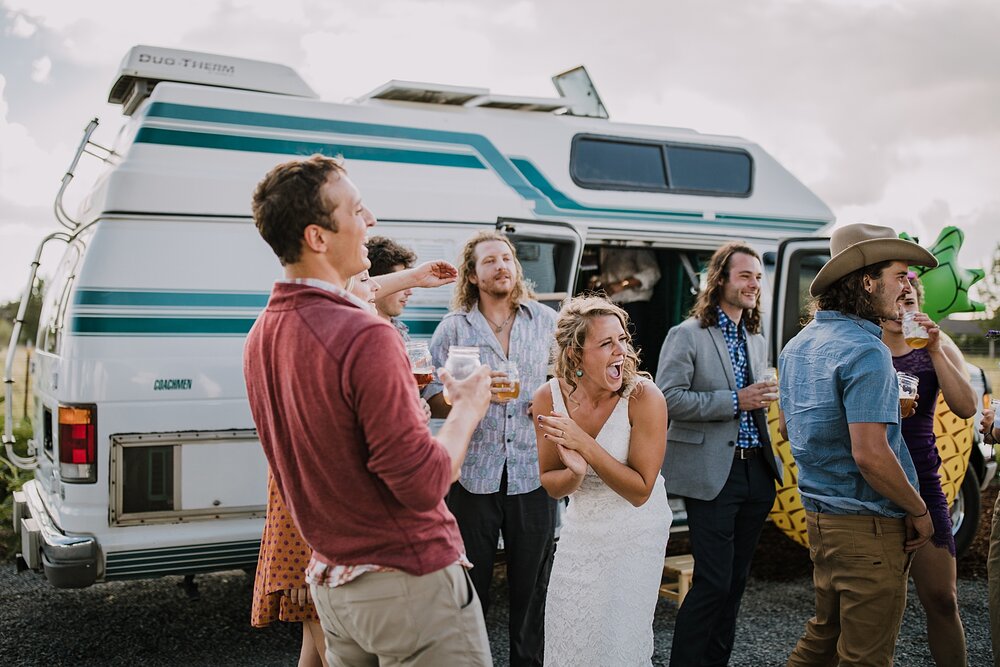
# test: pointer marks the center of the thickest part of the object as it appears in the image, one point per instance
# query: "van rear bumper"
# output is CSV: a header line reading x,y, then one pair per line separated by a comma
x,y
68,561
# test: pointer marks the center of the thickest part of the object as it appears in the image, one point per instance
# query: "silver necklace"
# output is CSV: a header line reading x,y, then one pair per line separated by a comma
x,y
500,327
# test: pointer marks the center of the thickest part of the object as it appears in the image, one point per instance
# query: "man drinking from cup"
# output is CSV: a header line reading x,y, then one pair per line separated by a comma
x,y
840,404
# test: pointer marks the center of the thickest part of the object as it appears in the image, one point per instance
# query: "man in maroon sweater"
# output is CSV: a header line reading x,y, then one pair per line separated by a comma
x,y
336,410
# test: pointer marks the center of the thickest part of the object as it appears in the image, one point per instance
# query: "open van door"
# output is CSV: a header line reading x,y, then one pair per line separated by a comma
x,y
549,253
799,260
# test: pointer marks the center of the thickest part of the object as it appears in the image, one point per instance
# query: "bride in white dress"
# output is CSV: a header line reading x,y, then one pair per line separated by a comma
x,y
601,429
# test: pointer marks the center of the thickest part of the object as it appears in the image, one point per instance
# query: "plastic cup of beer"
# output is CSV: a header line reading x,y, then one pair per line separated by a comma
x,y
508,388
770,376
915,335
421,362
462,362
907,392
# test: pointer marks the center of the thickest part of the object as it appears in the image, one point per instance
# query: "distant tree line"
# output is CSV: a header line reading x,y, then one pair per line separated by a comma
x,y
8,311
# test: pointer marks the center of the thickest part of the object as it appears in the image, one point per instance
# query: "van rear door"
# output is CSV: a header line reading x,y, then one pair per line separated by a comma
x,y
799,260
549,253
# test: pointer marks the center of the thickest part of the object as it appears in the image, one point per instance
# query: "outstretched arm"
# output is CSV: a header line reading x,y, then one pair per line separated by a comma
x,y
429,274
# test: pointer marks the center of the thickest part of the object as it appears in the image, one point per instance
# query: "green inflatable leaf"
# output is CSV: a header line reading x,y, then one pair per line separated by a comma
x,y
946,288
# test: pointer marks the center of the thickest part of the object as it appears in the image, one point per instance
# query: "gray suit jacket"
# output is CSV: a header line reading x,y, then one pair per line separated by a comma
x,y
696,377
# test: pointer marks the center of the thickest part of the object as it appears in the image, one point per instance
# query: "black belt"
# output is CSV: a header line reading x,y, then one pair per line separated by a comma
x,y
744,453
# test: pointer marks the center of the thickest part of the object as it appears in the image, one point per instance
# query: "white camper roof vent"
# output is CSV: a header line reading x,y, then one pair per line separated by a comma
x,y
577,96
424,93
146,66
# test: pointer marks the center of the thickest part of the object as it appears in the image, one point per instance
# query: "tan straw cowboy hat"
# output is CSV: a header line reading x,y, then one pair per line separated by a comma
x,y
856,246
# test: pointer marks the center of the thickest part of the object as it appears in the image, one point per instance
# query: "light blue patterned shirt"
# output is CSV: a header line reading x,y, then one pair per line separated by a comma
x,y
834,373
506,435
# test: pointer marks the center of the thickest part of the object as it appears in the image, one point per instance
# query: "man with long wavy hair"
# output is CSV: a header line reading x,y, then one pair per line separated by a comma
x,y
859,486
499,490
719,455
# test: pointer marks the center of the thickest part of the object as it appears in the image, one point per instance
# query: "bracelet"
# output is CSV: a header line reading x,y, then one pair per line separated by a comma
x,y
918,516
625,283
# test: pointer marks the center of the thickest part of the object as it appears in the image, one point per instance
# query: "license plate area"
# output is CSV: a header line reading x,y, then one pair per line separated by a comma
x,y
186,476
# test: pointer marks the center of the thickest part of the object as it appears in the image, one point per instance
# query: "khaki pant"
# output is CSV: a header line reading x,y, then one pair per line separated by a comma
x,y
860,574
394,618
993,572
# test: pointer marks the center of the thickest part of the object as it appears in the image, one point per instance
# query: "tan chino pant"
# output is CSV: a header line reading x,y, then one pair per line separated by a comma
x,y
394,618
860,574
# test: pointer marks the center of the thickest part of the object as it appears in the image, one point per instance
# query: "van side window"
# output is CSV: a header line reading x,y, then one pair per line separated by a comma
x,y
709,170
546,265
609,163
618,165
803,265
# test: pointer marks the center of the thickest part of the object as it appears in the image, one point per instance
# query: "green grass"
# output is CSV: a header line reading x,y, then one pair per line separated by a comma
x,y
11,477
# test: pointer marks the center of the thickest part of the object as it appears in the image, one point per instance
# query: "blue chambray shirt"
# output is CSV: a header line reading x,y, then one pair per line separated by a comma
x,y
506,434
836,372
736,343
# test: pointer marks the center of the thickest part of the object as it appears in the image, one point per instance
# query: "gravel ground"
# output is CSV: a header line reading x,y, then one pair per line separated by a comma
x,y
151,622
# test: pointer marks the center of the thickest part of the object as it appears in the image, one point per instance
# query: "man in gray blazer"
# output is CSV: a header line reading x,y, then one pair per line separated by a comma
x,y
719,455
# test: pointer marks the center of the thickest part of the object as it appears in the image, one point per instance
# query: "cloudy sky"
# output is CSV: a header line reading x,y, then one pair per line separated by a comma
x,y
888,109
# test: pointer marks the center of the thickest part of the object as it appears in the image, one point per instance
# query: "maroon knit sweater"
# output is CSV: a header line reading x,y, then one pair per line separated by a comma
x,y
336,410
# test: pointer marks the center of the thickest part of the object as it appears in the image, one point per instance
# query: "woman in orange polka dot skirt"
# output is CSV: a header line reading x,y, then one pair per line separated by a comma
x,y
280,592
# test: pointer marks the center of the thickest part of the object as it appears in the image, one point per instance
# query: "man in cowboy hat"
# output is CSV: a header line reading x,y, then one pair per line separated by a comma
x,y
839,402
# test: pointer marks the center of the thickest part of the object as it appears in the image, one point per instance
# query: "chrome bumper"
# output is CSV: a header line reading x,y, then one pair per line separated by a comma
x,y
68,561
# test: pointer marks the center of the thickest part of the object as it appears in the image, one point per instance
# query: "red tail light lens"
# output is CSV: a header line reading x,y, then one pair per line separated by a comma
x,y
78,444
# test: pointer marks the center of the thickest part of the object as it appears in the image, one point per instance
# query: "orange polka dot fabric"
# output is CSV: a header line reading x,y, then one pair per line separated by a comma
x,y
281,565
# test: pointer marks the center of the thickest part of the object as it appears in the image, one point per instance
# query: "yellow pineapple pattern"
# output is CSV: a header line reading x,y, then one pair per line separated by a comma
x,y
954,441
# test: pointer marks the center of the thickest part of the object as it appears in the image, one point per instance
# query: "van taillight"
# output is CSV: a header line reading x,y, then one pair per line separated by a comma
x,y
78,444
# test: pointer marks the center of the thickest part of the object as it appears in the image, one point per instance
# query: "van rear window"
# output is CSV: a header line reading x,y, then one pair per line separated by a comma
x,y
607,163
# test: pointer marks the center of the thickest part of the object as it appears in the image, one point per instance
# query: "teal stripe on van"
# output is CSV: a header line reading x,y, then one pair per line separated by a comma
x,y
232,142
104,325
157,298
517,173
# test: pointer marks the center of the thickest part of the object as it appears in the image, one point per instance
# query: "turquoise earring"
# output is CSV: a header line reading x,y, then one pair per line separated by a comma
x,y
579,373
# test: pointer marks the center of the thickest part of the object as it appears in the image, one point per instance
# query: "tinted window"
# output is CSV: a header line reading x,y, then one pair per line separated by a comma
x,y
602,163
615,163
709,170
803,266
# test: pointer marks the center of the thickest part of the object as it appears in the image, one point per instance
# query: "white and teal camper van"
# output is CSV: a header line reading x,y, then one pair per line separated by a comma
x,y
145,456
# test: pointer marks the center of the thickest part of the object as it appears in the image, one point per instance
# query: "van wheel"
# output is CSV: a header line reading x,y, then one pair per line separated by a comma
x,y
965,512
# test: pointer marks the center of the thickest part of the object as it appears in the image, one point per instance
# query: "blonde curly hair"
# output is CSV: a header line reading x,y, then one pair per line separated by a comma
x,y
574,321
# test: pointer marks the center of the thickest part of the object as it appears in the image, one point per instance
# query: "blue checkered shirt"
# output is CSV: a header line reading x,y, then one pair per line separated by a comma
x,y
736,342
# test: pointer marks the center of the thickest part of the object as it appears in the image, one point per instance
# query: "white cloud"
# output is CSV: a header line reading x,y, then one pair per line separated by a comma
x,y
22,27
40,69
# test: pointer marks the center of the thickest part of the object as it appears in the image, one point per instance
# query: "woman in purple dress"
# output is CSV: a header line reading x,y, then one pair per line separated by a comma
x,y
939,366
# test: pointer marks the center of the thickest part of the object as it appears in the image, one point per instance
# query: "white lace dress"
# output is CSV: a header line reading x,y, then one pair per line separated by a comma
x,y
606,573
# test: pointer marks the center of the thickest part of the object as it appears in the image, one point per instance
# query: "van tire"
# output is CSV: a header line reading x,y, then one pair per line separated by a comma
x,y
965,512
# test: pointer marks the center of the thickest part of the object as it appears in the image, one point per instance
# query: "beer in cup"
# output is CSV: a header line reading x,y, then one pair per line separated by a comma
x,y
915,335
907,392
421,362
508,388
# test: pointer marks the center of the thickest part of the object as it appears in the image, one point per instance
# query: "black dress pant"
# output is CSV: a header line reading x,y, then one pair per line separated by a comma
x,y
527,522
723,534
